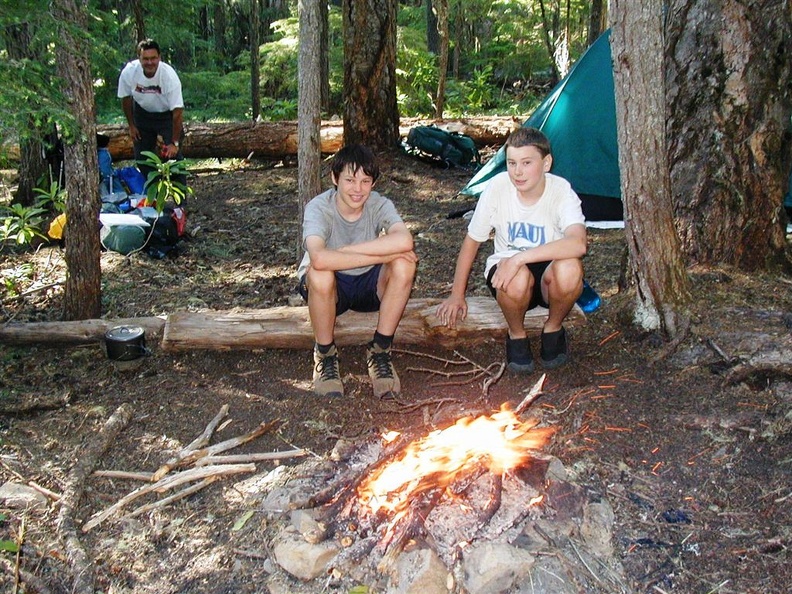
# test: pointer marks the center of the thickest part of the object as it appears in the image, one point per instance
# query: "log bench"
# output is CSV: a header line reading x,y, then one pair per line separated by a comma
x,y
281,327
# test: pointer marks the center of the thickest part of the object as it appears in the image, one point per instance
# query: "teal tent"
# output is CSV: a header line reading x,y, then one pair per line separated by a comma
x,y
579,119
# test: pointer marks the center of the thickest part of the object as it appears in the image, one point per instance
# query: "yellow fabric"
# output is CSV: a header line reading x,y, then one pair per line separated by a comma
x,y
56,226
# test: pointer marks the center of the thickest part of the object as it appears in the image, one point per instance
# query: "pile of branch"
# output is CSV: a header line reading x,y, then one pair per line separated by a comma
x,y
197,465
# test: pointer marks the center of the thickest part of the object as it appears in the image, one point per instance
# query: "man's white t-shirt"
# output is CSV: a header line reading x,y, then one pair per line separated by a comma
x,y
518,227
160,93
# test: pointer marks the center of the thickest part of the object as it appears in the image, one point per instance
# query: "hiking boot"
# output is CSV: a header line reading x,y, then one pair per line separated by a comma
x,y
326,375
555,351
383,376
518,355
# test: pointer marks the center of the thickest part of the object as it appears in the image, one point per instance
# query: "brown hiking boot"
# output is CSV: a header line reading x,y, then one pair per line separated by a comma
x,y
327,375
383,376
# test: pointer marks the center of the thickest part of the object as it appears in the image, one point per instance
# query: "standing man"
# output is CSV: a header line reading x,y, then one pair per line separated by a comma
x,y
151,96
359,256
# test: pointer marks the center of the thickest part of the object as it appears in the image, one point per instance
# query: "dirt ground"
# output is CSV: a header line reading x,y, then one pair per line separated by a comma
x,y
694,451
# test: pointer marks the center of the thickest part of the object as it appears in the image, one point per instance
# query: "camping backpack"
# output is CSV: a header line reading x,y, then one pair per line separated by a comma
x,y
447,148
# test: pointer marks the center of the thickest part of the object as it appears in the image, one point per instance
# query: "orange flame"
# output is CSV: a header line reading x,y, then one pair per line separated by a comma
x,y
498,442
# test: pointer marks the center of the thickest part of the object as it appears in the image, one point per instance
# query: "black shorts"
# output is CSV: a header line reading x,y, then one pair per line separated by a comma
x,y
537,270
357,292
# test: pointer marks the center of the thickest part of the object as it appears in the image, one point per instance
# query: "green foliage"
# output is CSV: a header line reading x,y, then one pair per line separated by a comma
x,y
210,95
416,74
160,185
15,279
20,224
52,198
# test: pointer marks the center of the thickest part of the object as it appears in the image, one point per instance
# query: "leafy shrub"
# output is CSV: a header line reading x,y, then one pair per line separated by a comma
x,y
20,224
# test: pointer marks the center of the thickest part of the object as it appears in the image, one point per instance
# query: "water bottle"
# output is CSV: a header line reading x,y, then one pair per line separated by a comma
x,y
589,300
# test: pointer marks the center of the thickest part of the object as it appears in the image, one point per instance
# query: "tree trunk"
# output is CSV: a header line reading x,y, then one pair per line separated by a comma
x,y
140,21
32,161
432,28
279,140
255,63
371,114
656,267
597,20
730,99
442,68
324,56
82,297
309,149
219,31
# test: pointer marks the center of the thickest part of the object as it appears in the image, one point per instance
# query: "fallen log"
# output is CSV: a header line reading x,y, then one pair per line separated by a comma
x,y
71,333
282,327
290,327
277,140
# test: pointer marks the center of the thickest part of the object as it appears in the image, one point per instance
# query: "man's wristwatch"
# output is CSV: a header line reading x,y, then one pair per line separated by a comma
x,y
176,143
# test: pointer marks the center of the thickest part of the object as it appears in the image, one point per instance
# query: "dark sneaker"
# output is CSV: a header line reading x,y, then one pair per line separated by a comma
x,y
383,376
326,375
555,351
518,355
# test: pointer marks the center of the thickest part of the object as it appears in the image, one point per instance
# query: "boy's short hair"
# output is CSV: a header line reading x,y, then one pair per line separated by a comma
x,y
529,137
357,157
147,44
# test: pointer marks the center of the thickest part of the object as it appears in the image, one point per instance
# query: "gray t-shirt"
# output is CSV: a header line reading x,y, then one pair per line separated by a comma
x,y
323,220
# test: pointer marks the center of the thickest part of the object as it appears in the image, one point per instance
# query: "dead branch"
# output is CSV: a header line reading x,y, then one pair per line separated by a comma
x,y
81,564
259,457
203,439
123,474
44,491
493,379
35,403
532,395
171,498
195,455
194,474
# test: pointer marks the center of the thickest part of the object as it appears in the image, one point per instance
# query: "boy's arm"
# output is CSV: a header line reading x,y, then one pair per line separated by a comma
x,y
455,307
571,246
396,243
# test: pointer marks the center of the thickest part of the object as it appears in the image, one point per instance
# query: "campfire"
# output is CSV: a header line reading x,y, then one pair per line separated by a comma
x,y
472,507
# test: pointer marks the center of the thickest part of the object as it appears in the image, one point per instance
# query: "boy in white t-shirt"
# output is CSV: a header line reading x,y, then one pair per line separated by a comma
x,y
540,239
151,97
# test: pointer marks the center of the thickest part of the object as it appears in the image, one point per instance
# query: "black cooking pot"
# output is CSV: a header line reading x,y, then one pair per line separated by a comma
x,y
125,343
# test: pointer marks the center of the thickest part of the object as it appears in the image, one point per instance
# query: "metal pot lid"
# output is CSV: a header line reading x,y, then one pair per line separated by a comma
x,y
124,333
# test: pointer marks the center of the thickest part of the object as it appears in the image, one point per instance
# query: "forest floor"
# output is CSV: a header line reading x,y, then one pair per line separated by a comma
x,y
692,450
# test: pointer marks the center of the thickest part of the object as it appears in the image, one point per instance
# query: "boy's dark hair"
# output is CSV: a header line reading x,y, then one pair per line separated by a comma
x,y
147,44
529,137
357,157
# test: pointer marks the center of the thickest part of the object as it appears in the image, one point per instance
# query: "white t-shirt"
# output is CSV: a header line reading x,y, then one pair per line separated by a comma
x,y
518,227
160,93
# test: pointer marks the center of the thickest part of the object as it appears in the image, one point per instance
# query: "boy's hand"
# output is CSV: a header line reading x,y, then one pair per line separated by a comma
x,y
507,269
451,310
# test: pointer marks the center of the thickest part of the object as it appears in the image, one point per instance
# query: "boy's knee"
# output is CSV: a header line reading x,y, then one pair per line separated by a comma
x,y
320,281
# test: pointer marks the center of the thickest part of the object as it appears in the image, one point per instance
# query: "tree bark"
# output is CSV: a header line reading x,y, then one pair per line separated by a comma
x,y
83,288
279,140
309,151
597,20
255,64
442,67
282,327
656,267
32,162
729,93
371,114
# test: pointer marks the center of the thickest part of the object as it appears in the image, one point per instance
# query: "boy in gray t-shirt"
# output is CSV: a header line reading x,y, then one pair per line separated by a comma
x,y
359,256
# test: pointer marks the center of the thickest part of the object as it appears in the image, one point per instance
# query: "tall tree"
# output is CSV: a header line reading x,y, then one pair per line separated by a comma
x,y
729,73
656,266
441,6
597,20
82,298
309,96
18,40
371,114
255,62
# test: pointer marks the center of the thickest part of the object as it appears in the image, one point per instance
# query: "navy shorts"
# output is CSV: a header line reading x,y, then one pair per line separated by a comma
x,y
537,270
355,292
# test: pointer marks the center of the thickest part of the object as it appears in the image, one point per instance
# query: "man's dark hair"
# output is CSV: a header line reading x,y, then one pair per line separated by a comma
x,y
357,157
147,44
529,137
